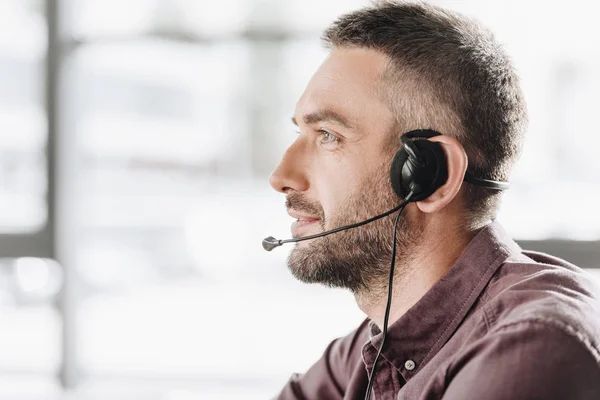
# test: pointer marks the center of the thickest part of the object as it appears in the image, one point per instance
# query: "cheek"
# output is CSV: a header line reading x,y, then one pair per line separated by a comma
x,y
332,193
357,177
336,191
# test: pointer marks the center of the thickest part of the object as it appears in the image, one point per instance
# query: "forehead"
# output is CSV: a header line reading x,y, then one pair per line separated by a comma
x,y
347,82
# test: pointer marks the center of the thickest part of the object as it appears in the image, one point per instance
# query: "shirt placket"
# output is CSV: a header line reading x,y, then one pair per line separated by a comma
x,y
387,381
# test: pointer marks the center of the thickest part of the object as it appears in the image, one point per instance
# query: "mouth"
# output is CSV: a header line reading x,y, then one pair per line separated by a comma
x,y
303,223
299,226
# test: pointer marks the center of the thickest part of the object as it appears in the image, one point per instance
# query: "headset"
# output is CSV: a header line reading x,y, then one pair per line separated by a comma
x,y
418,169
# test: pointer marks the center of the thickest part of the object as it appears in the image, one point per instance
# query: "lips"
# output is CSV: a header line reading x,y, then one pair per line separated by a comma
x,y
303,221
301,216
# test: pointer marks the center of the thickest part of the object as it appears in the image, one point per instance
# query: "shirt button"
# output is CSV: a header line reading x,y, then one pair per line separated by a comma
x,y
409,365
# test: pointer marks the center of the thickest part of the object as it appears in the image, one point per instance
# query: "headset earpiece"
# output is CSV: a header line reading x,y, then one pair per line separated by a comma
x,y
419,166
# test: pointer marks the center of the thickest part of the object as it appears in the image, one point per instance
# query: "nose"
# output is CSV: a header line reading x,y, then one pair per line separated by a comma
x,y
291,173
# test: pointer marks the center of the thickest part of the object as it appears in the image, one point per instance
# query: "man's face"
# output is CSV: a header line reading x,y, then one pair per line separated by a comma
x,y
337,172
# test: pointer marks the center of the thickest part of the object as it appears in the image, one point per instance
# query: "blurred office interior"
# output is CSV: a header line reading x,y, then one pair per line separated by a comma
x,y
136,140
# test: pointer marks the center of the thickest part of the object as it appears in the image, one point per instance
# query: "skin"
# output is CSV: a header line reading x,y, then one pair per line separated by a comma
x,y
340,172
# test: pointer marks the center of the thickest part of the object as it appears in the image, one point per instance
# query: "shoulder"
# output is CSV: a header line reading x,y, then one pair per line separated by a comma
x,y
526,359
535,292
540,335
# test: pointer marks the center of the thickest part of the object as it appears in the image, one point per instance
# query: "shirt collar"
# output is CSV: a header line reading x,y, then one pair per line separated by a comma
x,y
421,332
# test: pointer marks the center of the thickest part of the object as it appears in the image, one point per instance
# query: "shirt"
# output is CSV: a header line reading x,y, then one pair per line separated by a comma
x,y
502,323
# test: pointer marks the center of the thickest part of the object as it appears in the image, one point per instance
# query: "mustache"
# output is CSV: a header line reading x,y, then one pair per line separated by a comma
x,y
298,202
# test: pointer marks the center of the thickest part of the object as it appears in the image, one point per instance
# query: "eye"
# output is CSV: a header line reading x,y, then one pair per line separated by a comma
x,y
328,138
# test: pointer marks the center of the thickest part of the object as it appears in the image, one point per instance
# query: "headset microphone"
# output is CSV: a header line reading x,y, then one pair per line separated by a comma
x,y
270,242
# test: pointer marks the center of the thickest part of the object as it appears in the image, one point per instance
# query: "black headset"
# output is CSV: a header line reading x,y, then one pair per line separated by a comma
x,y
421,167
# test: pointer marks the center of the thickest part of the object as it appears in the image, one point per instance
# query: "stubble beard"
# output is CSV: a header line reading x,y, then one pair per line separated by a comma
x,y
356,259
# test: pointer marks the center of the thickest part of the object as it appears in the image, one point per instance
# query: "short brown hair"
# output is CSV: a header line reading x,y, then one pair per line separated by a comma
x,y
455,74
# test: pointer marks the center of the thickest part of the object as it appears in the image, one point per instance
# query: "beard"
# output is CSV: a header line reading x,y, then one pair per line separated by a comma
x,y
357,259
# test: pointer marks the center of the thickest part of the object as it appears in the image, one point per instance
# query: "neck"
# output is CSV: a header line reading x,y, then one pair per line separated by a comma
x,y
415,275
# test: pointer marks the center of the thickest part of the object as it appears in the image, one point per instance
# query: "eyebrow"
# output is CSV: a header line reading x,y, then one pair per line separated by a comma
x,y
324,115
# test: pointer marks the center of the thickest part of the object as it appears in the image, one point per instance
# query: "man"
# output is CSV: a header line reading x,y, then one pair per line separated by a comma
x,y
472,315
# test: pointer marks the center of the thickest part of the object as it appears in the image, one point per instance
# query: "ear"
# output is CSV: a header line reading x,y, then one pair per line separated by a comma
x,y
457,166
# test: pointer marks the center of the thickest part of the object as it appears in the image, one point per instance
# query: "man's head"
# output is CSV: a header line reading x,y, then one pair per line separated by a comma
x,y
395,67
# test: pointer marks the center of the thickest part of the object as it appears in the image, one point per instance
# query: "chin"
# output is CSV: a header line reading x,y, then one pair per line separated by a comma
x,y
312,262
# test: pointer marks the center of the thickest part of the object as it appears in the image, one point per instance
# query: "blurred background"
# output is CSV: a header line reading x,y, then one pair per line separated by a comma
x,y
136,139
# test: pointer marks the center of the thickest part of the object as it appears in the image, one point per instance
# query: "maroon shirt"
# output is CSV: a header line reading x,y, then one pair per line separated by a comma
x,y
503,323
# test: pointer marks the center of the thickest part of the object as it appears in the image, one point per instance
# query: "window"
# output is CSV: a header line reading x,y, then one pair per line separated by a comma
x,y
30,345
23,133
